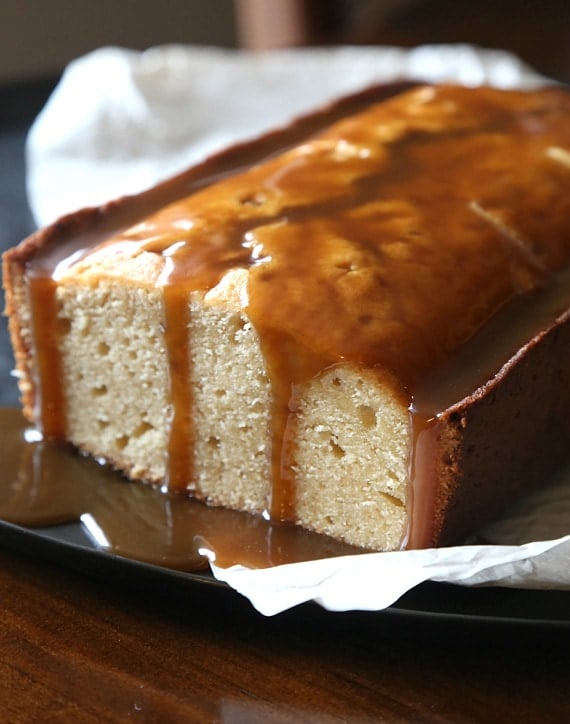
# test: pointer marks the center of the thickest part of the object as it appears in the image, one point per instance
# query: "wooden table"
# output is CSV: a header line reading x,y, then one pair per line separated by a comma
x,y
79,649
92,648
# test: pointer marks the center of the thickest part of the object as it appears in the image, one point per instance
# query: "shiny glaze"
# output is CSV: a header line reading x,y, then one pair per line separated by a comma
x,y
362,245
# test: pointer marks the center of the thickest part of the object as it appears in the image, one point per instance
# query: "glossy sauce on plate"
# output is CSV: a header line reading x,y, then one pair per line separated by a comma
x,y
45,483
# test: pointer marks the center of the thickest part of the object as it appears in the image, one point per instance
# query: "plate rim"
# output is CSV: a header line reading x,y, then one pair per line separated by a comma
x,y
53,543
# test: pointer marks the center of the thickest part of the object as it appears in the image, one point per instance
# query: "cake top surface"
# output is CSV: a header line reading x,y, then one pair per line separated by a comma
x,y
363,242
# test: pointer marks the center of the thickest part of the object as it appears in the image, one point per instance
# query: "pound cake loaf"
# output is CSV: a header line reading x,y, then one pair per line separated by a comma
x,y
358,324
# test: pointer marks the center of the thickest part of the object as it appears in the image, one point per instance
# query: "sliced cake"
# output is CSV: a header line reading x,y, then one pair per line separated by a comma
x,y
358,324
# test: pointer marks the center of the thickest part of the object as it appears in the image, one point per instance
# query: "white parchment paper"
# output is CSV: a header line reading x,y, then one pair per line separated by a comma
x,y
119,121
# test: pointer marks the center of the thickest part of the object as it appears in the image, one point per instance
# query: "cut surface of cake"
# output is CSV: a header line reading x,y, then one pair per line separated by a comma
x,y
365,334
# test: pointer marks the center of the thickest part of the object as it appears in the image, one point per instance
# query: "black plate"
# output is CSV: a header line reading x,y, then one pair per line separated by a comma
x,y
70,545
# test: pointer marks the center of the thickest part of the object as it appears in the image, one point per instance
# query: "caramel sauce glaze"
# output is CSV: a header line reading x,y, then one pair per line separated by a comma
x,y
388,240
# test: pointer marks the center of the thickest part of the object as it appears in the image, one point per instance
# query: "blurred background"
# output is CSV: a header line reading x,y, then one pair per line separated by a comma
x,y
38,37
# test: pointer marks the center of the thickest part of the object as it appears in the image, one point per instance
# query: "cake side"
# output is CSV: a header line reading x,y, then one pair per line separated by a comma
x,y
510,435
352,449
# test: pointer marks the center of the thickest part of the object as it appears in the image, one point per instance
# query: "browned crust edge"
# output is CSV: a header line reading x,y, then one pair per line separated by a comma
x,y
486,450
109,218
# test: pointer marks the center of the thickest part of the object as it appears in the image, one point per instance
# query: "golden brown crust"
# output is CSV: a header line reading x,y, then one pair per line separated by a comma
x,y
511,434
13,280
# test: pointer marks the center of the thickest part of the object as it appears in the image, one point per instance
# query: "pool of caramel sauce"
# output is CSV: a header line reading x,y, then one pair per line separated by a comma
x,y
47,483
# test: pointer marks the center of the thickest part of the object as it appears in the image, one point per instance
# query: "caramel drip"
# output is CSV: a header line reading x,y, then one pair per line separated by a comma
x,y
180,441
287,368
50,404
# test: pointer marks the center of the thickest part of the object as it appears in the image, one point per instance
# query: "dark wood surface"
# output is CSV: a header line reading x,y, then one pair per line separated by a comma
x,y
74,648
80,648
